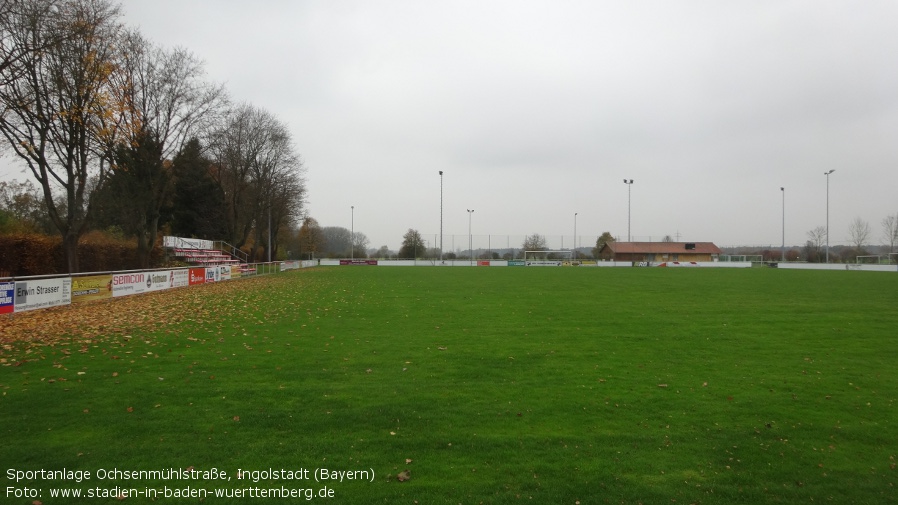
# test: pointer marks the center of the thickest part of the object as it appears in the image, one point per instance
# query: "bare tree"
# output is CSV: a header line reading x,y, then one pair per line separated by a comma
x,y
259,171
890,231
163,92
359,245
54,90
17,18
335,241
859,233
816,240
161,101
535,242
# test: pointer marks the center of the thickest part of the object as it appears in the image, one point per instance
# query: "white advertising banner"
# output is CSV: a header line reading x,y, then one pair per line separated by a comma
x,y
212,274
129,284
158,280
224,272
43,293
179,278
186,243
290,265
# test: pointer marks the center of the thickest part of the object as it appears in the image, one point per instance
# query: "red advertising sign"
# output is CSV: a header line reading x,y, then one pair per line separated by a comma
x,y
197,276
358,262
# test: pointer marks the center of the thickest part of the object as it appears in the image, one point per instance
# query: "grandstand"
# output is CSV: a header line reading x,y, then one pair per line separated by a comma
x,y
206,253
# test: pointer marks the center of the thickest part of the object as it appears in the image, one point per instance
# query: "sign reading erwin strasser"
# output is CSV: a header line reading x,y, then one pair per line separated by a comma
x,y
43,293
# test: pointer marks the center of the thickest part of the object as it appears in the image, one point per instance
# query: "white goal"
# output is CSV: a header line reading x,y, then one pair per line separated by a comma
x,y
549,258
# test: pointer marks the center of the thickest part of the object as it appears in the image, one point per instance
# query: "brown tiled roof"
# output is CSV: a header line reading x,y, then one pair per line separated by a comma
x,y
662,247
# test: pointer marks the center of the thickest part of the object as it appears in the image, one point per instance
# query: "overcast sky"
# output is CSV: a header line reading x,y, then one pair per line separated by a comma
x,y
536,111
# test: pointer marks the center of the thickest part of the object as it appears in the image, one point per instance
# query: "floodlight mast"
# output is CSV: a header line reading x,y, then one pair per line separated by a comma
x,y
783,255
629,183
827,212
441,216
470,242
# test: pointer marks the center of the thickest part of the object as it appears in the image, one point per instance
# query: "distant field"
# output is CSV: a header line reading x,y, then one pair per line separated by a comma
x,y
467,385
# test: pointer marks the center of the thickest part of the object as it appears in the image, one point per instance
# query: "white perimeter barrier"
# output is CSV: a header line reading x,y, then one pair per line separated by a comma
x,y
531,263
840,266
21,295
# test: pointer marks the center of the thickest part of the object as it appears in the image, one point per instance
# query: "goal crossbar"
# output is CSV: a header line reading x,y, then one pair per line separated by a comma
x,y
563,252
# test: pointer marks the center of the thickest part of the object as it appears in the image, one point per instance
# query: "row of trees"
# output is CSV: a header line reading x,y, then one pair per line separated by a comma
x,y
316,241
860,237
118,131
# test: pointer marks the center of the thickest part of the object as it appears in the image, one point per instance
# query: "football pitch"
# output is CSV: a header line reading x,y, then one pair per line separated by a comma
x,y
356,385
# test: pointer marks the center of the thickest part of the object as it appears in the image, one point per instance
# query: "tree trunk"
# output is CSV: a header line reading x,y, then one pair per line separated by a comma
x,y
146,242
70,250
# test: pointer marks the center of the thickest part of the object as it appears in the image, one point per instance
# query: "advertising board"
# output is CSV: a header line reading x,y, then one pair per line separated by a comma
x,y
129,284
43,293
7,297
158,280
91,287
179,278
197,276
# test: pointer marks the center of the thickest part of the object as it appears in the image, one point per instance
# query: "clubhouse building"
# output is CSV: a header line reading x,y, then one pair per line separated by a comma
x,y
659,251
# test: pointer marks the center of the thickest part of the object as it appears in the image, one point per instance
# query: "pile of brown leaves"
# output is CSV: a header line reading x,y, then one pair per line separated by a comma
x,y
99,321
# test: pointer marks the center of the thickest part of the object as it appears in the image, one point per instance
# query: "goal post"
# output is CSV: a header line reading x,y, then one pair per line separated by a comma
x,y
549,258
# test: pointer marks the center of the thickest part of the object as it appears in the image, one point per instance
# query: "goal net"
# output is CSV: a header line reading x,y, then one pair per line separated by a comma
x,y
549,258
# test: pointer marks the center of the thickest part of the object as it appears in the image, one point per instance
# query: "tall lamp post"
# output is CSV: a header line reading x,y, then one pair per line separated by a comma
x,y
575,235
629,184
441,217
352,234
827,212
783,255
470,242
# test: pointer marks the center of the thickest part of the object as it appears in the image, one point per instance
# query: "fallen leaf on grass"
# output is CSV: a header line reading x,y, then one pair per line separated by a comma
x,y
403,476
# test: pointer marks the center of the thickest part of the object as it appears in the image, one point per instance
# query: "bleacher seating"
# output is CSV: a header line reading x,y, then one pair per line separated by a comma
x,y
202,253
204,257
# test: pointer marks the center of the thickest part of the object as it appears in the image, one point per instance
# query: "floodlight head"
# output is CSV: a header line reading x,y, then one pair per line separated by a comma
x,y
441,172
831,171
782,189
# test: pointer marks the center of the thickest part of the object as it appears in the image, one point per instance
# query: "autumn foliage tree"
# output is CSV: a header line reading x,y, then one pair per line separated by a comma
x,y
310,238
55,87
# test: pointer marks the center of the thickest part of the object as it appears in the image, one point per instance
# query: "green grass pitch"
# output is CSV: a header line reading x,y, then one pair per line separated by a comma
x,y
477,385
